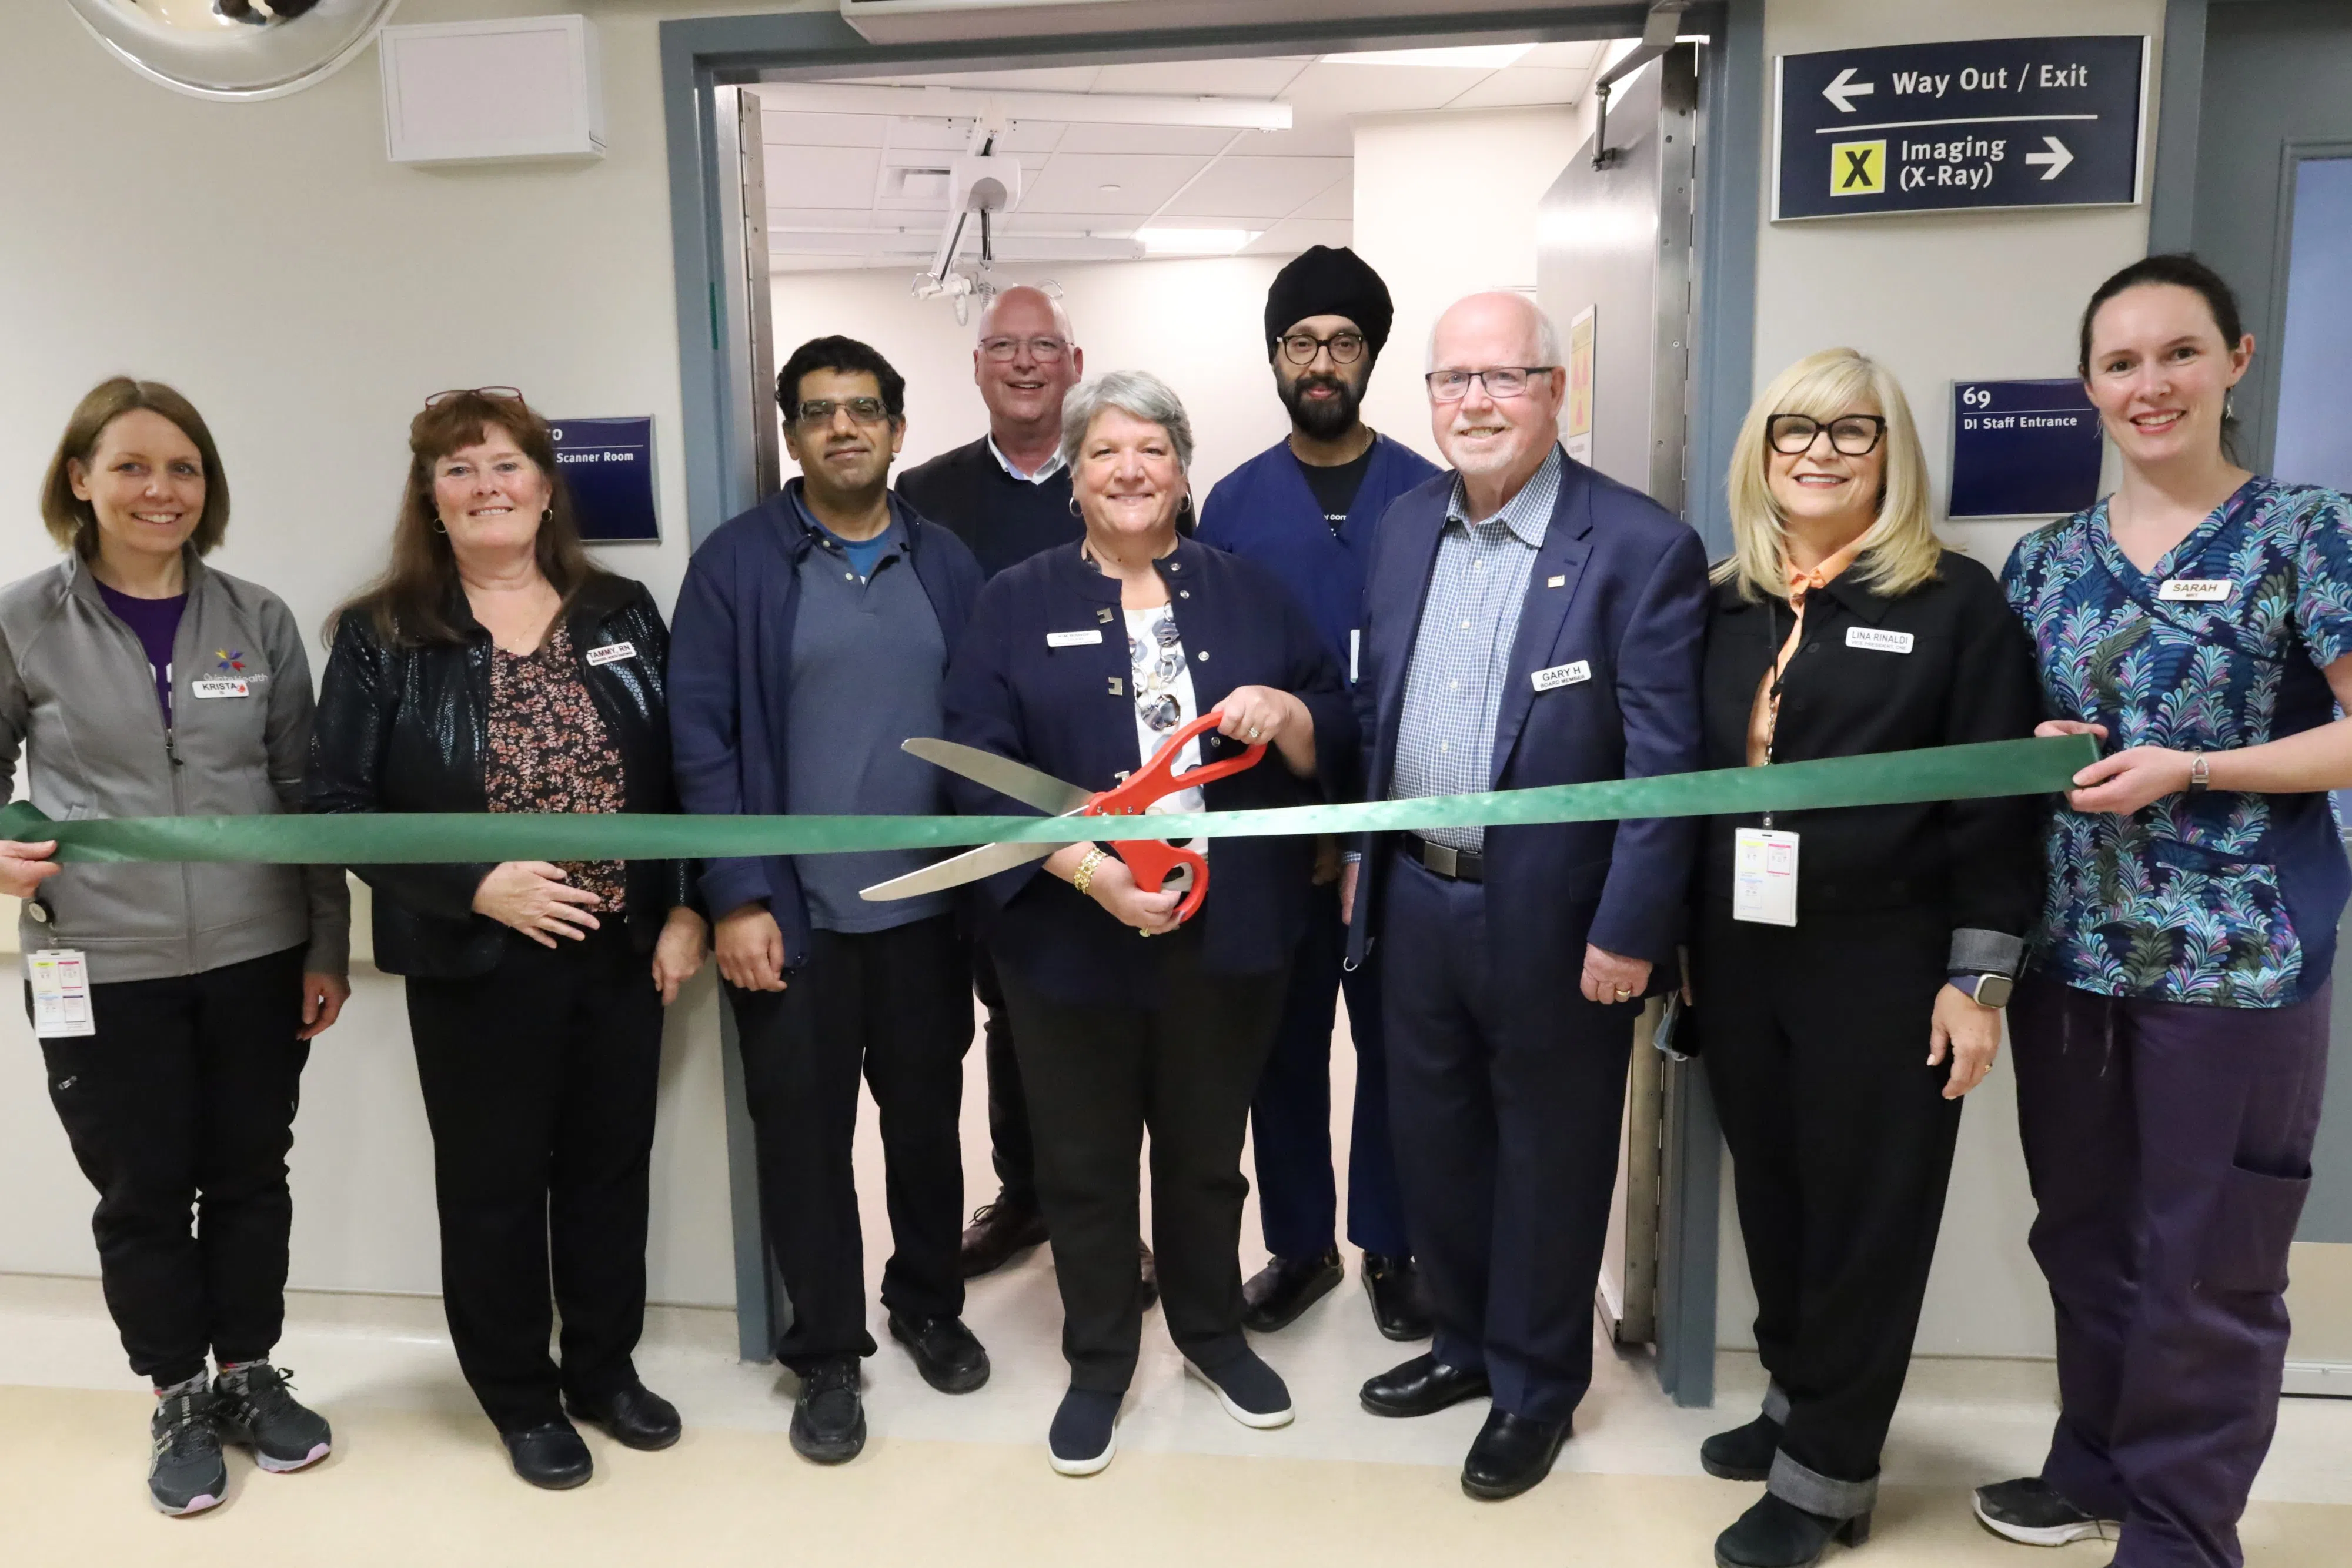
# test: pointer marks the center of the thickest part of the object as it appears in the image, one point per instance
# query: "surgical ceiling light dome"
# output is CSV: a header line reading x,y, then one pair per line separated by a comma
x,y
233,48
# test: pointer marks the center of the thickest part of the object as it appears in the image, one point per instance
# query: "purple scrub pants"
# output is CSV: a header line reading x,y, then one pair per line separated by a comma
x,y
2169,1149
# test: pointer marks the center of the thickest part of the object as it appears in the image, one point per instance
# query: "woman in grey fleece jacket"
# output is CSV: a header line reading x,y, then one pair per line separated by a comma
x,y
136,682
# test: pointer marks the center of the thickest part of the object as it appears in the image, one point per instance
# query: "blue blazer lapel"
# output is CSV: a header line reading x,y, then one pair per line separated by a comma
x,y
1408,555
1560,561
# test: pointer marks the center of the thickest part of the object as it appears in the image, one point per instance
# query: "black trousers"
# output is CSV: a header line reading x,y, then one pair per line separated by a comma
x,y
1815,1039
1098,1077
540,1081
184,1099
895,1006
1012,1150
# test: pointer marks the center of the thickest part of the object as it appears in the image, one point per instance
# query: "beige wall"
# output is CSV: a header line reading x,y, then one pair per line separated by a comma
x,y
1938,299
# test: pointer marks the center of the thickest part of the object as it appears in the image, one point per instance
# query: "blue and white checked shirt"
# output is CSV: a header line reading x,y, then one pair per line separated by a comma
x,y
1462,650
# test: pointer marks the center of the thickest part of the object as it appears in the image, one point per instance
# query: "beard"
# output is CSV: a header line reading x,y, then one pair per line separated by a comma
x,y
1328,420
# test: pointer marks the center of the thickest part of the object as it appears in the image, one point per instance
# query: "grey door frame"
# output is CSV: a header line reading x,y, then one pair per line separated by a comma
x,y
700,54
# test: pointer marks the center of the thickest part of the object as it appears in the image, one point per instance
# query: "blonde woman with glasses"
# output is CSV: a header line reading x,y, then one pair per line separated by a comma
x,y
1848,965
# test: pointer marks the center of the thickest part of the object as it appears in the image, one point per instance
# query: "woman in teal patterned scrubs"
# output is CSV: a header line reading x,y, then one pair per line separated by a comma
x,y
2171,1035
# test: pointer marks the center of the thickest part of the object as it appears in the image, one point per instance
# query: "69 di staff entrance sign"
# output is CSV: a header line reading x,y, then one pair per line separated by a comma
x,y
1990,122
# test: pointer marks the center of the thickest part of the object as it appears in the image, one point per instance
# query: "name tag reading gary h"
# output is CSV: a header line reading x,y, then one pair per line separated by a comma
x,y
219,689
1086,638
1561,675
2195,589
1876,641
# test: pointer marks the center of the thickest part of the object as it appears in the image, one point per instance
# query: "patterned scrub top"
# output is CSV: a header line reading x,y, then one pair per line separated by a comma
x,y
2222,899
549,751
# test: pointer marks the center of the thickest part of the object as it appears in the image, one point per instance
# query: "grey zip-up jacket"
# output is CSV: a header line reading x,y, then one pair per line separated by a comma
x,y
77,699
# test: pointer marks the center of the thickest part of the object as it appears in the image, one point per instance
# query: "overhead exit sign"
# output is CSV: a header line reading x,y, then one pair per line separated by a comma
x,y
1990,122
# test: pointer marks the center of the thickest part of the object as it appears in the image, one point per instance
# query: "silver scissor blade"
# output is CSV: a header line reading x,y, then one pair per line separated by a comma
x,y
969,866
1002,773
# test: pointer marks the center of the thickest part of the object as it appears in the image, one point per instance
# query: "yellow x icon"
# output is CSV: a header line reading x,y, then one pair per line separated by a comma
x,y
1857,168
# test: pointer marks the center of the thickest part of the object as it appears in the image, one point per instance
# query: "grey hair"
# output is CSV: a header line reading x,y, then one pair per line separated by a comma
x,y
1547,333
1136,393
1061,316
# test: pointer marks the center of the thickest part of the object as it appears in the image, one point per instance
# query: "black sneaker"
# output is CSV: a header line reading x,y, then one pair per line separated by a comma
x,y
185,1473
1252,1392
2030,1511
255,1407
829,1418
1085,1432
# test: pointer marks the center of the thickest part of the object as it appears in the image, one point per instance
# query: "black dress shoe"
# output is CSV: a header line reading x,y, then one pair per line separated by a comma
x,y
1777,1533
828,1419
1273,1298
1422,1386
1147,1269
1399,1309
946,1352
634,1416
999,1231
1512,1453
551,1456
1744,1453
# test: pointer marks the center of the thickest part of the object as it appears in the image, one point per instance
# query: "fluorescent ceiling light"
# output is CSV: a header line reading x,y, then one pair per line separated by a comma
x,y
1194,242
1475,56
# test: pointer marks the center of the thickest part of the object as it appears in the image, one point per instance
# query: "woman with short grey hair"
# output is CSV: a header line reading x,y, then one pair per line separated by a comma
x,y
1083,662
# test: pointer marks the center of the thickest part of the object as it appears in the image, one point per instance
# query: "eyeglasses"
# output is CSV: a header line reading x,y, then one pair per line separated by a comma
x,y
1502,380
1045,351
1300,347
819,411
1854,434
500,394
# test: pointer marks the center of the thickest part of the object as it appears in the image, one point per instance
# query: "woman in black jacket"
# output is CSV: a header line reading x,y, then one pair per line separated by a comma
x,y
495,668
1849,965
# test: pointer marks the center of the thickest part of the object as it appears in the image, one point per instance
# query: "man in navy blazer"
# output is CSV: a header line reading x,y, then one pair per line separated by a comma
x,y
1527,622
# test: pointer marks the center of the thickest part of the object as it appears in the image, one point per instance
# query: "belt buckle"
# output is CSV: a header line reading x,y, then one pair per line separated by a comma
x,y
1443,859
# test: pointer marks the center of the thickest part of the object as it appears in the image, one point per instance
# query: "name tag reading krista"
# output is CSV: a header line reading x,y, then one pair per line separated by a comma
x,y
60,994
1764,876
2195,589
220,689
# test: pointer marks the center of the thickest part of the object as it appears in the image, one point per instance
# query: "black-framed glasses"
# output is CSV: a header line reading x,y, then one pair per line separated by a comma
x,y
817,412
500,394
1500,380
1045,351
1853,434
1300,347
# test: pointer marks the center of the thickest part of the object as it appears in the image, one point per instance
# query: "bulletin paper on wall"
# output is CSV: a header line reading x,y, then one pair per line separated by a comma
x,y
1576,420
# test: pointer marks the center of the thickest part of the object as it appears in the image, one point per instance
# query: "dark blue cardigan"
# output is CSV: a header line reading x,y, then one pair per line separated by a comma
x,y
1066,711
731,664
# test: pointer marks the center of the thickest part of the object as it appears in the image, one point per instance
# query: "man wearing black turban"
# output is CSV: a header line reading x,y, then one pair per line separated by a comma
x,y
1306,508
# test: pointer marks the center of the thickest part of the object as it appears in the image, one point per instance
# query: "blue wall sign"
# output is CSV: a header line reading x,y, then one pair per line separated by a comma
x,y
2023,449
1992,122
608,466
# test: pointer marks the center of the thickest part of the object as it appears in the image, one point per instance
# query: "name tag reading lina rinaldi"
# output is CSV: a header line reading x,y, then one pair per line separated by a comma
x,y
1764,876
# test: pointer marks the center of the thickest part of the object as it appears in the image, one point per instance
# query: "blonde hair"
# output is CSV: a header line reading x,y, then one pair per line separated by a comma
x,y
1900,552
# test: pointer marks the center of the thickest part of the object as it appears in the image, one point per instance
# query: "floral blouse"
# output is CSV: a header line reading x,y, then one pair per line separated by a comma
x,y
550,751
2222,899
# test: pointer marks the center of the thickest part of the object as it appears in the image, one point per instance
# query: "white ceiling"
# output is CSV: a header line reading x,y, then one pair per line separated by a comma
x,y
847,190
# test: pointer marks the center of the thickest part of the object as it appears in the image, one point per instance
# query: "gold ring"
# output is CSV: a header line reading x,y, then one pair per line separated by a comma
x,y
1622,994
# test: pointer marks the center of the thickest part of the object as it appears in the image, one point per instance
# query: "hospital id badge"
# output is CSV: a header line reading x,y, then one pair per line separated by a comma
x,y
60,994
1764,876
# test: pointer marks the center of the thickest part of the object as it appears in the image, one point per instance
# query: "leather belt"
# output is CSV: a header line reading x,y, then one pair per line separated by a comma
x,y
1445,860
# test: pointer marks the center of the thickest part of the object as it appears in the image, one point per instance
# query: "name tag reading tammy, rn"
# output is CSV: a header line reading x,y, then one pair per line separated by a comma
x,y
612,651
2195,589
220,688
1562,675
1092,634
1878,642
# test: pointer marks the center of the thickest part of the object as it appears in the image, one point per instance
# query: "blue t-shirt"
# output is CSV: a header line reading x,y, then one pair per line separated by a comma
x,y
862,553
156,621
2223,898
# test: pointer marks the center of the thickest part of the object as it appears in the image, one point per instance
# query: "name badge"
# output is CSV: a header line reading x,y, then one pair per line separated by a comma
x,y
1878,642
1764,876
2195,589
612,651
220,688
1073,638
1355,653
60,994
1561,675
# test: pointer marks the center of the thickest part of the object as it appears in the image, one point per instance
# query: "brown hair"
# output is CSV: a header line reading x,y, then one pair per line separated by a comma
x,y
68,517
410,604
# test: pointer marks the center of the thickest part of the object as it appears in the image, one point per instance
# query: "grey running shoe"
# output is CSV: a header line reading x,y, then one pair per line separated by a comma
x,y
184,1472
255,1406
2030,1511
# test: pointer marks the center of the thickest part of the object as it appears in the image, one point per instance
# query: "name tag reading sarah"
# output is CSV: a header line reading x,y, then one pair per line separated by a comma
x,y
1561,675
2195,589
219,689
1878,642
612,651
1092,634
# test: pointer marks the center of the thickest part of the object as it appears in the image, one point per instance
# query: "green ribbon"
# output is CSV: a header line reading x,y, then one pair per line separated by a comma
x,y
1938,773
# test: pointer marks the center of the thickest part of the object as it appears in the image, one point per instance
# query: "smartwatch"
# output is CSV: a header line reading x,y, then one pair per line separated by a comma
x,y
1985,990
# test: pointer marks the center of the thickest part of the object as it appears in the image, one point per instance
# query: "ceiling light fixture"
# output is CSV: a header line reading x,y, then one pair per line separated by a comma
x,y
1473,57
1194,242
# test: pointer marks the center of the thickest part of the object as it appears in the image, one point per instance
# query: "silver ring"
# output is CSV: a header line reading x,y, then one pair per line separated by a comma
x,y
1254,732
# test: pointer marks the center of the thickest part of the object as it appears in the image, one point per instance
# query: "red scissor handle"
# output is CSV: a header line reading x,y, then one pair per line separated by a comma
x,y
1154,861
